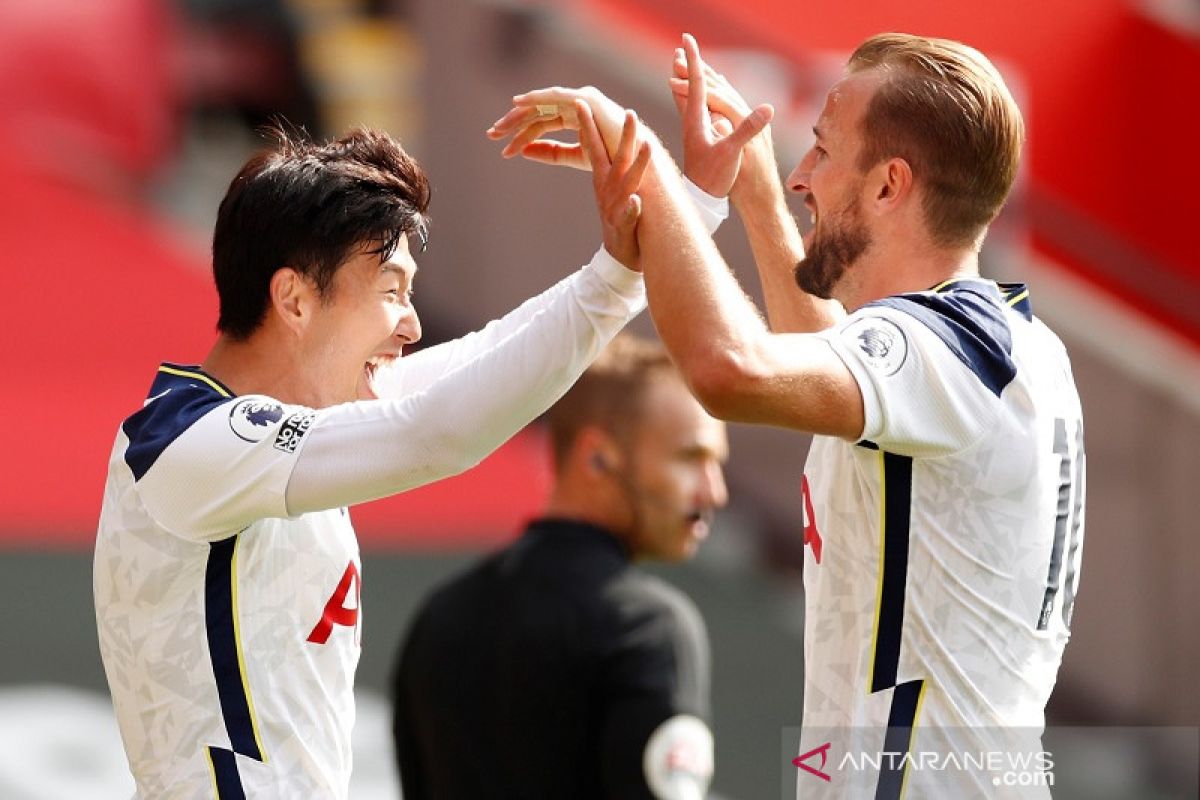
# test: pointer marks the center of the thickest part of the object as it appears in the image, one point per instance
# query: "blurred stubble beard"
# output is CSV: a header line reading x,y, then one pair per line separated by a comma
x,y
833,251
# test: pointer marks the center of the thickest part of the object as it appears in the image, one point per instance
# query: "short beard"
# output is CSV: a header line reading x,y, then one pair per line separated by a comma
x,y
831,255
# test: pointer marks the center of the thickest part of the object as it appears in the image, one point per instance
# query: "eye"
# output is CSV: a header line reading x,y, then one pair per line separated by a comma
x,y
820,151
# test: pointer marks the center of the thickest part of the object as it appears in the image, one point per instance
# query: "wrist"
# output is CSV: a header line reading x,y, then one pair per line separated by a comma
x,y
755,192
715,186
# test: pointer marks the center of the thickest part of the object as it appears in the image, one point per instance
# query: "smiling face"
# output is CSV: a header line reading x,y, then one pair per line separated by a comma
x,y
673,481
364,321
833,186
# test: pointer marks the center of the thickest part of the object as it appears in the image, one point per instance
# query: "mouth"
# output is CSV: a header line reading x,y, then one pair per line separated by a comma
x,y
370,369
807,237
700,524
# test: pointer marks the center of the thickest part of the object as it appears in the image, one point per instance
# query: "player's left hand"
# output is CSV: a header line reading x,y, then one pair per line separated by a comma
x,y
717,122
615,182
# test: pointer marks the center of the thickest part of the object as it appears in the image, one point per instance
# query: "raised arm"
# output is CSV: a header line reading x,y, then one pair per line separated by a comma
x,y
615,188
734,365
361,451
721,162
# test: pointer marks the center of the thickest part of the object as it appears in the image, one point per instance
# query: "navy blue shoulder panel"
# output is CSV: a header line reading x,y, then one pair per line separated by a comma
x,y
1016,296
179,400
971,322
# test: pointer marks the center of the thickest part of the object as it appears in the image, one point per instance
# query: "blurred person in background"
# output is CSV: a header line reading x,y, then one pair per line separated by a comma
x,y
943,494
556,667
226,573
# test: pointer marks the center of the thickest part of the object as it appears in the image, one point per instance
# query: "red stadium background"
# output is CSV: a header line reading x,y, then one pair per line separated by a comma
x,y
121,121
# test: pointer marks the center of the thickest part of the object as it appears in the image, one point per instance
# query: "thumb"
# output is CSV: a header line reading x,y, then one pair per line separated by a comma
x,y
631,212
752,125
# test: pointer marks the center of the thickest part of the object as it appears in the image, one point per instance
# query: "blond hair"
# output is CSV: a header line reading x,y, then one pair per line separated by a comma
x,y
944,109
610,393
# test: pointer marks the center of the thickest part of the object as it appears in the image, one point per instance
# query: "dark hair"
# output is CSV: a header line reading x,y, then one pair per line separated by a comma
x,y
310,207
610,393
944,109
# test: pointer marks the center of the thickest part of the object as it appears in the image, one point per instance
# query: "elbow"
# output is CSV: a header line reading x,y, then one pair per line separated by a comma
x,y
448,453
724,382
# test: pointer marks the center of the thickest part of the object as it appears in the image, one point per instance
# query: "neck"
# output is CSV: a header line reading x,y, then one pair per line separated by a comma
x,y
259,365
589,502
902,269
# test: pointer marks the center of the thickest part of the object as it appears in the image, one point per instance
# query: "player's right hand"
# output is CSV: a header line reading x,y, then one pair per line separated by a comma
x,y
717,122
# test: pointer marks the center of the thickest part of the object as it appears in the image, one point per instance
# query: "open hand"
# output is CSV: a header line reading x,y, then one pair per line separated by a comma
x,y
543,111
717,121
615,182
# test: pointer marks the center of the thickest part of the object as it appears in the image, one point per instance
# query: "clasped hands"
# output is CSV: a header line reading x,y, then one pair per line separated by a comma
x,y
618,148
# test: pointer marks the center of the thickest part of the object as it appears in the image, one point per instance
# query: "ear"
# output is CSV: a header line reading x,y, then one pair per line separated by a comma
x,y
892,182
597,452
291,297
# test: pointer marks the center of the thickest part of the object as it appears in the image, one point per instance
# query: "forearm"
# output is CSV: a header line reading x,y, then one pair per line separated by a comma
x,y
735,366
416,372
775,242
700,311
361,451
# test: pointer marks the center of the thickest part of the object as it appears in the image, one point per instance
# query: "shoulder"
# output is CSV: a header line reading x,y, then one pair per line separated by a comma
x,y
178,398
640,601
460,588
970,318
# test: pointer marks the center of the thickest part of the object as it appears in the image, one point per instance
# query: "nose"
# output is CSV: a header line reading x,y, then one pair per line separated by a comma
x,y
716,495
799,180
408,329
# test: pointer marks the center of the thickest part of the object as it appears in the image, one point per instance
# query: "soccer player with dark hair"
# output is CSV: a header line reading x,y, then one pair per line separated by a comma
x,y
943,496
555,667
227,574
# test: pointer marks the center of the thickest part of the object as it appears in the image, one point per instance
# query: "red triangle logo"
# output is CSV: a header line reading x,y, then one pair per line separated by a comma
x,y
823,751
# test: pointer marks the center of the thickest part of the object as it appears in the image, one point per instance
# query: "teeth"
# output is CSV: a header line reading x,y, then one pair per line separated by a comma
x,y
813,218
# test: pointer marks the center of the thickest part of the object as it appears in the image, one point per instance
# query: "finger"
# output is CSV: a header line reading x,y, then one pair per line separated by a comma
x,y
529,133
680,68
524,113
625,216
679,64
559,154
627,144
631,180
550,102
719,100
679,97
696,112
721,126
713,81
751,126
592,143
551,94
514,119
633,211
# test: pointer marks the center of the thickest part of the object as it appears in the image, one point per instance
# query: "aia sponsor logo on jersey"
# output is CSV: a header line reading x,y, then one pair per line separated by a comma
x,y
812,536
337,611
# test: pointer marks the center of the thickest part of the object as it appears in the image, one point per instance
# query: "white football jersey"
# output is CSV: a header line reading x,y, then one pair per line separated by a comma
x,y
227,574
230,651
943,550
